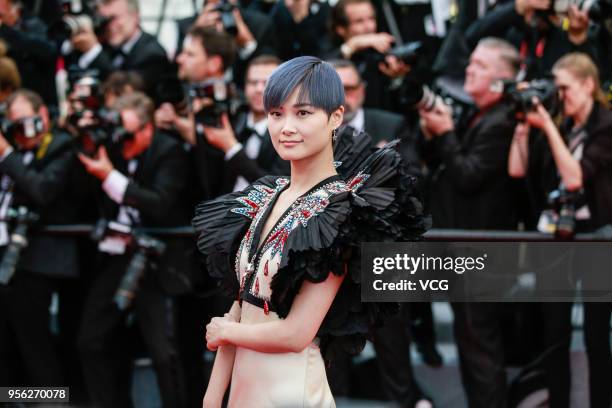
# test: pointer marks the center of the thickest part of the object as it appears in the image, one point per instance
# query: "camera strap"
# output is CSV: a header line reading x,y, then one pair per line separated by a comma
x,y
6,198
129,215
126,215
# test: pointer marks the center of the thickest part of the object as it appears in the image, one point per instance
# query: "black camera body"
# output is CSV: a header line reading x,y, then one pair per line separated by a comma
x,y
522,98
103,125
106,128
215,97
565,203
78,15
24,128
225,9
144,247
411,53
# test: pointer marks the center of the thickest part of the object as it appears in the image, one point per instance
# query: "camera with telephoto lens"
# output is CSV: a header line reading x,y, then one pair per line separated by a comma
x,y
565,203
23,218
22,129
143,246
225,9
521,95
416,95
76,17
215,100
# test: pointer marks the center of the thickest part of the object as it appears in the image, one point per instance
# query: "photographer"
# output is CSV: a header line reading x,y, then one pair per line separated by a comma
x,y
143,177
124,46
252,31
470,189
35,168
579,152
27,42
205,56
541,36
354,37
240,152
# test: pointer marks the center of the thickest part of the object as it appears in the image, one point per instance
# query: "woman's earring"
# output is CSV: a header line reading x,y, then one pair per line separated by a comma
x,y
334,135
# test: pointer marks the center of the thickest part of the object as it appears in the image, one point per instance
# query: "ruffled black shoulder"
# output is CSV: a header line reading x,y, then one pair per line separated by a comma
x,y
220,225
377,204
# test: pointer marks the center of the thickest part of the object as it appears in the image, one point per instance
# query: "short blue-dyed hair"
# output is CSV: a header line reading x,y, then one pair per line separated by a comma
x,y
318,82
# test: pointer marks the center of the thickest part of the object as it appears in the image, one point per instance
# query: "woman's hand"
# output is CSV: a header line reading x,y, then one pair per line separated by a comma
x,y
215,331
539,118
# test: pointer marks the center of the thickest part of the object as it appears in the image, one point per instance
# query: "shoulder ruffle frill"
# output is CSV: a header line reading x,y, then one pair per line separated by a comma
x,y
380,205
220,230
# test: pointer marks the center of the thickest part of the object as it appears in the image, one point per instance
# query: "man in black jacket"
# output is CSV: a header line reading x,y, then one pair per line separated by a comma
x,y
35,170
470,189
205,57
127,47
143,180
27,43
538,35
253,33
355,37
240,152
381,125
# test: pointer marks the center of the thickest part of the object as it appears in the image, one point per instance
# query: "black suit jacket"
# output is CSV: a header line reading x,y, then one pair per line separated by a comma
x,y
382,125
470,185
42,186
147,58
219,175
34,54
158,191
260,26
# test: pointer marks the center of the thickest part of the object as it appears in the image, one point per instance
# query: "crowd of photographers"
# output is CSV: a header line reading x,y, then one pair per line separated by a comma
x,y
502,108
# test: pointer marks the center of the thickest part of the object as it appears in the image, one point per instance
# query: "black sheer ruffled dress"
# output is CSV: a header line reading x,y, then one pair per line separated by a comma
x,y
372,199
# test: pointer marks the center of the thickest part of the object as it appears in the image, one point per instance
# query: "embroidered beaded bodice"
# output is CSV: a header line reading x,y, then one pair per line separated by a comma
x,y
258,258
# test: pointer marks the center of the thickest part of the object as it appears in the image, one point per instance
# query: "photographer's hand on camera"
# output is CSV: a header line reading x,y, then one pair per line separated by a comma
x,y
394,67
84,40
381,42
209,17
569,168
167,118
244,37
222,138
99,166
437,121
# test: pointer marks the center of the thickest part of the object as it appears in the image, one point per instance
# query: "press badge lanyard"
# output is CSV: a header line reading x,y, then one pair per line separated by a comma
x,y
524,53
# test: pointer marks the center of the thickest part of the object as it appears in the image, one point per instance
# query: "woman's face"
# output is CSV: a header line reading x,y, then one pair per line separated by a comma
x,y
301,131
575,93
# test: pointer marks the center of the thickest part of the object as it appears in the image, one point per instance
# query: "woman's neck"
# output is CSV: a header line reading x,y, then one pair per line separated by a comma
x,y
307,172
582,115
